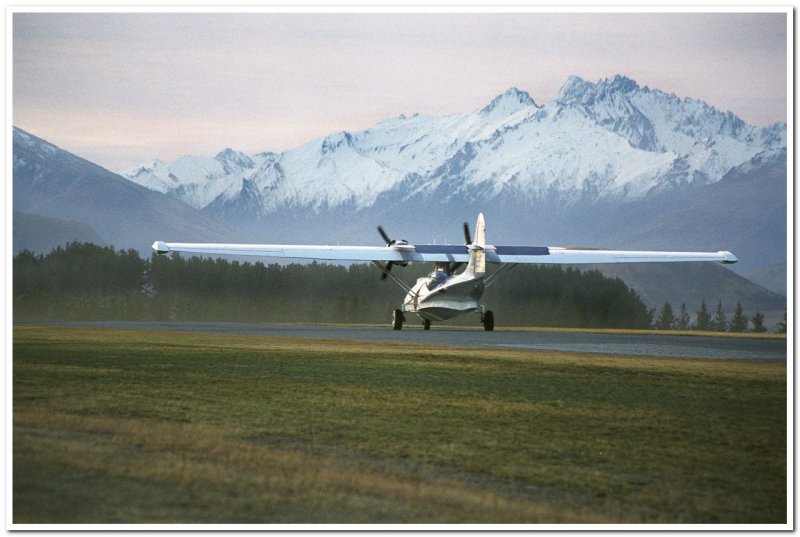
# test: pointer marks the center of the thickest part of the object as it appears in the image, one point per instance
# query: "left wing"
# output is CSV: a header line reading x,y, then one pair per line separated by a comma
x,y
403,252
573,256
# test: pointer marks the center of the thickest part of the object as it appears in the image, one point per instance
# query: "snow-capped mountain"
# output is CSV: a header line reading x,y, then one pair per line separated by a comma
x,y
610,140
195,180
54,188
606,164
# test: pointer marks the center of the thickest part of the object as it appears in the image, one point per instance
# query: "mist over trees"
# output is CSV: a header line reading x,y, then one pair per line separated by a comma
x,y
541,295
82,281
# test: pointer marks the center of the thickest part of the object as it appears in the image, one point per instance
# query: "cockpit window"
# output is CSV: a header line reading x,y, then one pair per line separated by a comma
x,y
436,278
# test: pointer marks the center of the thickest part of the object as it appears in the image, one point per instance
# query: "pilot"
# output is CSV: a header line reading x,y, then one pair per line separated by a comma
x,y
436,278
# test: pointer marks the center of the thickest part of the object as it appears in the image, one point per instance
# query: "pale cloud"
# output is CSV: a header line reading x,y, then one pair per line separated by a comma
x,y
122,88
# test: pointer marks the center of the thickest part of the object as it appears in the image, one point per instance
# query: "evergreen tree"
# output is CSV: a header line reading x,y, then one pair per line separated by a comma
x,y
758,322
683,320
739,322
703,318
666,318
720,322
782,325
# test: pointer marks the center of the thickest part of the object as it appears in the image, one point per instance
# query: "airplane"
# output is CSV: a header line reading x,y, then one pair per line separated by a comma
x,y
444,293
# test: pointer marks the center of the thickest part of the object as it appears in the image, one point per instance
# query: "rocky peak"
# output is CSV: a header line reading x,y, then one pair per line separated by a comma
x,y
512,100
232,159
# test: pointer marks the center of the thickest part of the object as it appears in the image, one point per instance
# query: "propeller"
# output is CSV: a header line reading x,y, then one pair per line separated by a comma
x,y
468,238
387,268
385,237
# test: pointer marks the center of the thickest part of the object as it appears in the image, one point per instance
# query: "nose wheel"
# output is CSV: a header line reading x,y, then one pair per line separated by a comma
x,y
426,324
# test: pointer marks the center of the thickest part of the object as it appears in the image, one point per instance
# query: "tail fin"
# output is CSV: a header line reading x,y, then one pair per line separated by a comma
x,y
477,255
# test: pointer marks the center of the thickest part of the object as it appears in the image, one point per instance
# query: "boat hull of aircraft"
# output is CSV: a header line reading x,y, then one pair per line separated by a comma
x,y
444,302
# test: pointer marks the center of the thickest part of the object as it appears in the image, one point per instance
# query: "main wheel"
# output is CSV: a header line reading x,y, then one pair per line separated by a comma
x,y
488,321
397,320
426,324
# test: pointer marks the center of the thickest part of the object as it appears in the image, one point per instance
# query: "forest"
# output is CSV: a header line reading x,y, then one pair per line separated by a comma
x,y
83,281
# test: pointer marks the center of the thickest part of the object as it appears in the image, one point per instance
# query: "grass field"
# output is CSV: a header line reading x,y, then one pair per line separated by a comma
x,y
114,426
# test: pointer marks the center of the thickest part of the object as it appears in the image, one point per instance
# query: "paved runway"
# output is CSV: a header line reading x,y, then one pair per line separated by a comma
x,y
641,345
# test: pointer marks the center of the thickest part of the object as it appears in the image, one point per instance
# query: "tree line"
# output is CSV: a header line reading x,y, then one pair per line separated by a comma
x,y
82,281
669,320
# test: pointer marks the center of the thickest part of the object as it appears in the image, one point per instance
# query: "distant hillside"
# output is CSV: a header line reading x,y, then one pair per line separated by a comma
x,y
772,277
51,182
691,283
745,213
40,234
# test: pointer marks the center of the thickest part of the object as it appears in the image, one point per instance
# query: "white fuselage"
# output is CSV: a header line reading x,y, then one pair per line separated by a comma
x,y
441,296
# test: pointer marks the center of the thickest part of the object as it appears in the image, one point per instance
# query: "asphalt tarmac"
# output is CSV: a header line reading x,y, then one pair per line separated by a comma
x,y
725,348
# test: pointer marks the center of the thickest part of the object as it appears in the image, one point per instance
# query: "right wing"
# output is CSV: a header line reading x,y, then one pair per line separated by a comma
x,y
397,252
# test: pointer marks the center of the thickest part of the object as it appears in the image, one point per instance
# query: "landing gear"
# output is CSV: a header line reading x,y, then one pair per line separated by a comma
x,y
397,319
426,324
488,321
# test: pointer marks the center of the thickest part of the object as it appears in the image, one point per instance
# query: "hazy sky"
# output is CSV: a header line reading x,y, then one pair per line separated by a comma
x,y
121,89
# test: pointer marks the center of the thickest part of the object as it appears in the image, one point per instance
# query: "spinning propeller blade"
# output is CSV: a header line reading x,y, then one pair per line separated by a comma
x,y
468,238
387,268
385,237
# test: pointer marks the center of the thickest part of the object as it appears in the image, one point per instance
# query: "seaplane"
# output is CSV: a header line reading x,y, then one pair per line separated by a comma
x,y
445,293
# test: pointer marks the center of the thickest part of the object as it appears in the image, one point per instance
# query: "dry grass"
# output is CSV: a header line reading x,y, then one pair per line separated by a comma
x,y
155,427
205,474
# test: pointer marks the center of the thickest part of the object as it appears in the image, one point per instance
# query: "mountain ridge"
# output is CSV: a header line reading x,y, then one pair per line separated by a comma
x,y
640,141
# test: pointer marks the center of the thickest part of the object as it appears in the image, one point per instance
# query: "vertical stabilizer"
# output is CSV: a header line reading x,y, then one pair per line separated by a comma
x,y
477,255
